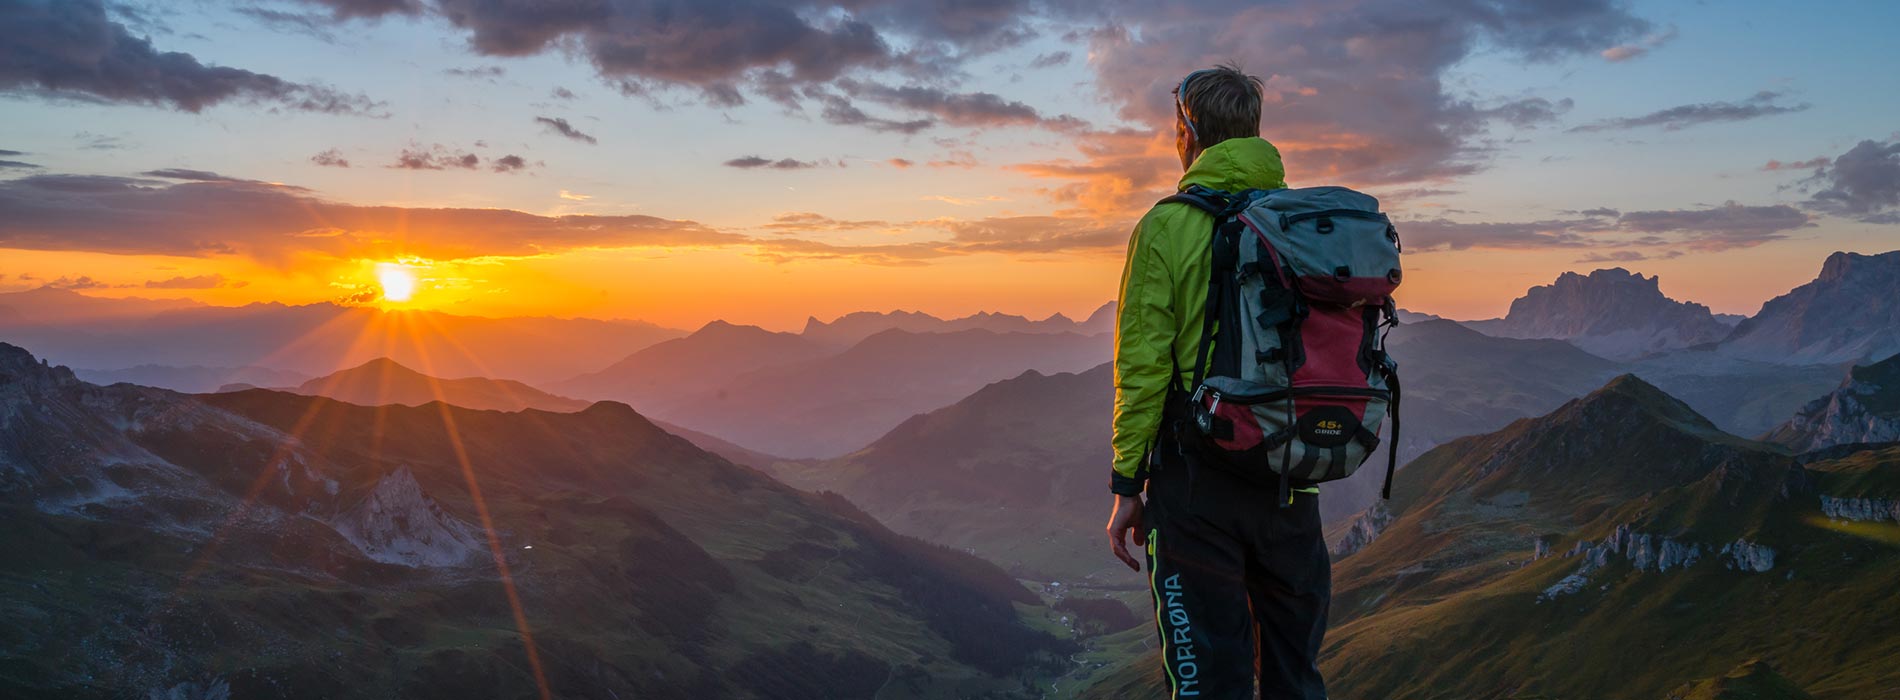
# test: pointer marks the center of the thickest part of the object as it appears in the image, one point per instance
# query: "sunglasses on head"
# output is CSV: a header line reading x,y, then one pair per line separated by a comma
x,y
1180,108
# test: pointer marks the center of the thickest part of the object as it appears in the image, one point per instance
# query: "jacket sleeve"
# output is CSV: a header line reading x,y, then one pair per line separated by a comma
x,y
1144,348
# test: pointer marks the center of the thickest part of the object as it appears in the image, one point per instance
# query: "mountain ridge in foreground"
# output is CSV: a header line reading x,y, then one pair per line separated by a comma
x,y
1619,546
265,543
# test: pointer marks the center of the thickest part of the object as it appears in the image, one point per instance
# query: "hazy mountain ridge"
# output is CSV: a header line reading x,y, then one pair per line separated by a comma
x,y
383,381
340,558
836,403
851,328
316,339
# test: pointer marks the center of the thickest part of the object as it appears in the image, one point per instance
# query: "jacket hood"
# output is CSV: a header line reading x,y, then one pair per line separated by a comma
x,y
1237,164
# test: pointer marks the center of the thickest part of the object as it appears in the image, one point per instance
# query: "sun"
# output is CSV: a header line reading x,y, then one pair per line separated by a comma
x,y
398,282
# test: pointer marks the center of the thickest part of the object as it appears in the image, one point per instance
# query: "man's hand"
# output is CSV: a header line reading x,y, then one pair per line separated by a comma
x,y
1126,517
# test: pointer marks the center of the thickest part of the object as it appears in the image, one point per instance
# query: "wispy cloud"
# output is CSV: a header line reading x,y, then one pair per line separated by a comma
x,y
1762,104
560,126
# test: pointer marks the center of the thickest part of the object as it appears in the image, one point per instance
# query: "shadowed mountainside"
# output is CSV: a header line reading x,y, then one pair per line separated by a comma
x,y
353,552
1572,555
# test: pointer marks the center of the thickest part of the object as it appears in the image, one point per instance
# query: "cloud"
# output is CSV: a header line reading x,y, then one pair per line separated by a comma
x,y
314,26
5,164
1050,60
509,164
560,126
561,93
805,221
1809,164
1623,256
330,158
188,174
1530,112
1863,183
71,49
754,162
273,223
211,281
901,162
1762,104
1730,225
5,152
477,72
1624,52
436,158
1356,93
978,109
76,283
574,196
836,109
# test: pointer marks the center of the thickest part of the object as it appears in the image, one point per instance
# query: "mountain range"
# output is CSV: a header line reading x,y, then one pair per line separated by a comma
x,y
1848,313
383,381
1620,546
848,329
437,551
311,340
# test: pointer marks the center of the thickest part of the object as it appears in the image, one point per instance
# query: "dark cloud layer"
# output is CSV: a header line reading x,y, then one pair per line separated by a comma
x,y
1863,183
72,49
273,223
1762,104
753,162
1730,225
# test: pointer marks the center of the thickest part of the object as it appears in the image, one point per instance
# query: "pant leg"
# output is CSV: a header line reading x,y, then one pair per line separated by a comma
x,y
1289,586
1196,570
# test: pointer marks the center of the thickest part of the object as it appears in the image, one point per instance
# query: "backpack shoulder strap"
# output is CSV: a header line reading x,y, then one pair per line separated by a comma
x,y
1214,202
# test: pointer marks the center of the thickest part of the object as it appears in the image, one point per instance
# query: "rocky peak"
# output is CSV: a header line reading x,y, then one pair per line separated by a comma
x,y
1865,409
1611,312
1849,313
399,523
19,365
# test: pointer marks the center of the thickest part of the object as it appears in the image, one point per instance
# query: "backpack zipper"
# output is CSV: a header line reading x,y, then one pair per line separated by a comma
x,y
1288,220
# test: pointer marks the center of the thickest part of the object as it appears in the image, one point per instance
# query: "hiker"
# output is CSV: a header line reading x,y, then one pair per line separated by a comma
x,y
1229,446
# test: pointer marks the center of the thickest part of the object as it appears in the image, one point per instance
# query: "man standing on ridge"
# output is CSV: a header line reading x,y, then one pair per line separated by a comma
x,y
1240,582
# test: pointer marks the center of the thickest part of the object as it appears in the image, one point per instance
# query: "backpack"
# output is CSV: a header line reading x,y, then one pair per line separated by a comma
x,y
1298,305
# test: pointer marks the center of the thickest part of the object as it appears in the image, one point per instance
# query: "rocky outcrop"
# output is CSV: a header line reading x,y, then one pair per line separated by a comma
x,y
1364,529
1850,313
1611,313
1862,509
398,523
1651,552
1865,409
1748,556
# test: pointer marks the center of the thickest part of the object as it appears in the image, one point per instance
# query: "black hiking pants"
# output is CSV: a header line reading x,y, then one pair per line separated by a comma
x,y
1241,586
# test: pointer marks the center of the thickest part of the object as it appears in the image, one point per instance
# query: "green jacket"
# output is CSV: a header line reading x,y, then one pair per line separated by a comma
x,y
1164,292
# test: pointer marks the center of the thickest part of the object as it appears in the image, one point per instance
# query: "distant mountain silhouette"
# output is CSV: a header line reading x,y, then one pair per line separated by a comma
x,y
313,339
1865,409
850,328
659,376
193,379
1612,313
1850,313
384,381
345,551
1543,555
834,404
